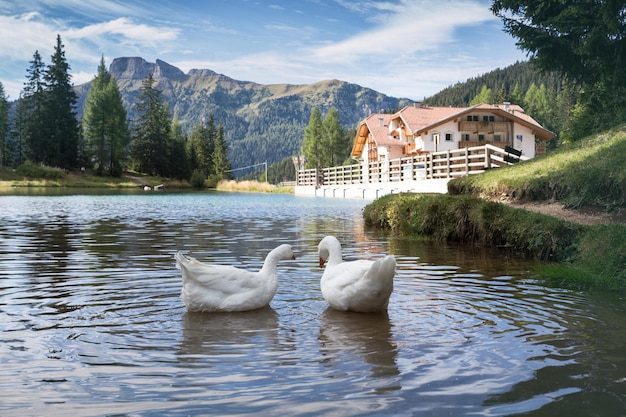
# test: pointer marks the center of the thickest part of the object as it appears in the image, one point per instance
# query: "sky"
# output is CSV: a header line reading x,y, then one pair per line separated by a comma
x,y
401,48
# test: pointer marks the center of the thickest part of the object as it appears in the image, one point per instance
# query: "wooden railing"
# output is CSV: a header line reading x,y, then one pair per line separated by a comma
x,y
447,164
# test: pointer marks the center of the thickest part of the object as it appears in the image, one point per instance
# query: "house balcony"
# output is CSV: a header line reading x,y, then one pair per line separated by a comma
x,y
484,127
472,143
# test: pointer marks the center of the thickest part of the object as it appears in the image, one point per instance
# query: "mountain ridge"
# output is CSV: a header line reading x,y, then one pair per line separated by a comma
x,y
262,122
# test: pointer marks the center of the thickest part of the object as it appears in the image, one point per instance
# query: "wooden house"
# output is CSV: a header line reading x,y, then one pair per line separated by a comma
x,y
421,129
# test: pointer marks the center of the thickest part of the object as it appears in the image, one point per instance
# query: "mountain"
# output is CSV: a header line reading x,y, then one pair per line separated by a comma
x,y
261,122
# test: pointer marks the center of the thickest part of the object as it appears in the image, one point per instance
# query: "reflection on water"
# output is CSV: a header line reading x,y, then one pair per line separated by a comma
x,y
92,323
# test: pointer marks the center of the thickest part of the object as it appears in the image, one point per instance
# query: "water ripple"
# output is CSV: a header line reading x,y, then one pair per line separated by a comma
x,y
92,322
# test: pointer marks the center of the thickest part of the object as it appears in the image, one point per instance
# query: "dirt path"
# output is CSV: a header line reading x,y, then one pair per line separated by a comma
x,y
580,216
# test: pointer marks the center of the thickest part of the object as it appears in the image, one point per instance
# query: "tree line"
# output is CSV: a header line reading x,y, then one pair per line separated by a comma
x,y
573,84
44,129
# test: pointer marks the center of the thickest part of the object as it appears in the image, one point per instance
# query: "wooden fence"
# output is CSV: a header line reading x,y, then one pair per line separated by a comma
x,y
438,165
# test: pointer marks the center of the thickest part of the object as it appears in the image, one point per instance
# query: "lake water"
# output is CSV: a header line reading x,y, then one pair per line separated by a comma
x,y
92,323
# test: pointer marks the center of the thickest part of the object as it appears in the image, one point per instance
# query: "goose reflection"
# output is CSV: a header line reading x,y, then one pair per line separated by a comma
x,y
347,335
229,333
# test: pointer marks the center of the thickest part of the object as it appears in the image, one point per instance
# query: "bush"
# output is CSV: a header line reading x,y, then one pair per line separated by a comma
x,y
198,179
33,171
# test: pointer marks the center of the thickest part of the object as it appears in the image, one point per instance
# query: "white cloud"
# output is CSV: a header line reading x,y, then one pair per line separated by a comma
x,y
400,47
412,27
21,36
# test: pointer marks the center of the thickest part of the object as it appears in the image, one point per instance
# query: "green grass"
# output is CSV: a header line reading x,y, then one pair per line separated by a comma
x,y
590,173
37,176
572,255
474,221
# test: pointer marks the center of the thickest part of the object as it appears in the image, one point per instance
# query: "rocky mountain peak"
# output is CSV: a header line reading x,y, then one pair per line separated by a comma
x,y
136,68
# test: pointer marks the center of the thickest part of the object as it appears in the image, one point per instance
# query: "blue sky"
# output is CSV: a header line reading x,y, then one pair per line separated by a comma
x,y
402,48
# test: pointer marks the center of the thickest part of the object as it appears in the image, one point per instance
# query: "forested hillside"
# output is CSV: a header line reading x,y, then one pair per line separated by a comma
x,y
500,80
546,96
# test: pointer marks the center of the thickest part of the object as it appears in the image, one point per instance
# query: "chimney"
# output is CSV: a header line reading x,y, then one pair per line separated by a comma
x,y
417,104
380,121
506,106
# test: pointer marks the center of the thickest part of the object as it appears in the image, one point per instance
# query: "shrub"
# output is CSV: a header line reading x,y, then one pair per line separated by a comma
x,y
198,179
34,171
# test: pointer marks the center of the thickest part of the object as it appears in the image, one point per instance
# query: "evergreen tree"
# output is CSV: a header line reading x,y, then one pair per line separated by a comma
x,y
30,123
584,40
221,165
485,96
312,146
517,97
17,132
105,125
179,162
500,95
5,155
539,105
59,113
201,145
149,149
333,139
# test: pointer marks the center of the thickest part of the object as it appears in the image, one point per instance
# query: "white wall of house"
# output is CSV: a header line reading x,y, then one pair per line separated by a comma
x,y
445,137
524,140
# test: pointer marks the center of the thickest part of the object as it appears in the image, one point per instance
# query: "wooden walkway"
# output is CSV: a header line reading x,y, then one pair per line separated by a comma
x,y
419,173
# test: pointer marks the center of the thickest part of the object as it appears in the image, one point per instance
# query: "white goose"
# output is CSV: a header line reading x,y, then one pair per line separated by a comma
x,y
362,286
213,288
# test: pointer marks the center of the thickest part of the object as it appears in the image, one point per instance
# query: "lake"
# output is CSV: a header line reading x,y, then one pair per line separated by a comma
x,y
92,323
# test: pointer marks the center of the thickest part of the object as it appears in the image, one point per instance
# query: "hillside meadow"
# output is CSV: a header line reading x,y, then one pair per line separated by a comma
x,y
589,175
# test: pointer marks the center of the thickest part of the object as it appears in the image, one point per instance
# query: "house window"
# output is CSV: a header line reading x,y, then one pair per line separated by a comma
x,y
448,137
481,138
497,138
475,118
469,118
466,136
492,119
485,118
435,138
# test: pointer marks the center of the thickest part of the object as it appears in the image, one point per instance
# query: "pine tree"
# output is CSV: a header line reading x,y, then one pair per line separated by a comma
x,y
333,137
485,96
538,105
200,146
221,165
105,125
149,149
584,40
312,146
179,162
59,112
4,128
517,97
30,123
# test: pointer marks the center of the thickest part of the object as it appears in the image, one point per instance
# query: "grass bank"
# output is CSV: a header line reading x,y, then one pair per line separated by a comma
x,y
590,174
573,255
36,176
